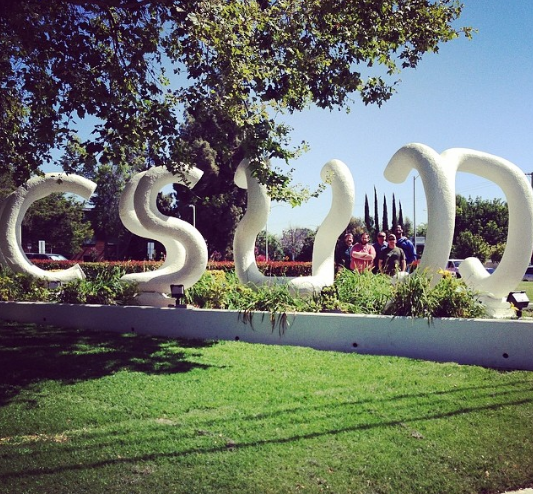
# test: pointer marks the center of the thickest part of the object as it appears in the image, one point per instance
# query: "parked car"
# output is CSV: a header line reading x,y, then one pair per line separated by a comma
x,y
453,266
528,276
47,256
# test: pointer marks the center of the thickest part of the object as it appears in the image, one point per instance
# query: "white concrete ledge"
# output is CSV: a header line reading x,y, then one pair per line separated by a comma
x,y
495,343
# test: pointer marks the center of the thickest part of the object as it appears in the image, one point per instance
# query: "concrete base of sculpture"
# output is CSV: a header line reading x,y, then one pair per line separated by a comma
x,y
503,344
153,299
497,307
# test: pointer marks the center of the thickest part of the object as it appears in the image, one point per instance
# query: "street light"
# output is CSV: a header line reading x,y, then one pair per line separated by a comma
x,y
193,214
266,241
178,292
266,232
414,211
519,300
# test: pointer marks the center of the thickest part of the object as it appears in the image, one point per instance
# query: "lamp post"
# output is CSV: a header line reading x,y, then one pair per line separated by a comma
x,y
270,207
266,241
193,214
414,210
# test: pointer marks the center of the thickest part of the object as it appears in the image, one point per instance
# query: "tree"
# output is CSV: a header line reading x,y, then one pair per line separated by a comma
x,y
385,221
356,226
394,214
376,211
106,64
59,221
496,252
275,251
104,214
400,214
471,245
486,218
219,204
7,185
421,229
368,220
408,227
306,254
293,241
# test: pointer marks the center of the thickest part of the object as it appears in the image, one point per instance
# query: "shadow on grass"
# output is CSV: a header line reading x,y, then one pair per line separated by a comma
x,y
31,353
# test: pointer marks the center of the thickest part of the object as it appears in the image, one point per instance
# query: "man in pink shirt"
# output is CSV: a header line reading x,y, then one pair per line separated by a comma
x,y
363,254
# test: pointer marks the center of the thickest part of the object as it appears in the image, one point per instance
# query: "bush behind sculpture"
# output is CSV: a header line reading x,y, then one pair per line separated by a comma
x,y
93,269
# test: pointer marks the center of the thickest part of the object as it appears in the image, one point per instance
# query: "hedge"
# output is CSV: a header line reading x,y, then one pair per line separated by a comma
x,y
92,269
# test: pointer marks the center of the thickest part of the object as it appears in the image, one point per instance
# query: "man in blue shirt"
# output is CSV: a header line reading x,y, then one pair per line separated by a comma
x,y
406,245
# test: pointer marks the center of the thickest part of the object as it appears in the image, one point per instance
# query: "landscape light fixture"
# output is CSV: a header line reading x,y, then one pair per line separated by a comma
x,y
178,292
519,300
53,284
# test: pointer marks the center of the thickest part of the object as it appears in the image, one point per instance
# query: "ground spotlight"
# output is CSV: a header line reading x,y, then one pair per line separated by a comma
x,y
519,300
178,292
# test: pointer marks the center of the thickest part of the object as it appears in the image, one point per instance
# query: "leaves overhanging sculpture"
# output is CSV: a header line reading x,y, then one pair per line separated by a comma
x,y
186,250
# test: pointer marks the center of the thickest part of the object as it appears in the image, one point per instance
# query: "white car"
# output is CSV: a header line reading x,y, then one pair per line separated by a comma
x,y
46,257
528,276
453,266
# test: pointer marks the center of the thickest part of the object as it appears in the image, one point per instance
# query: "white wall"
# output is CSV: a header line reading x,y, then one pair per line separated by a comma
x,y
494,343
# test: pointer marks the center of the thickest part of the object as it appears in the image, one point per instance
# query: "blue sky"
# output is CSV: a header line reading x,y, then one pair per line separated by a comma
x,y
476,94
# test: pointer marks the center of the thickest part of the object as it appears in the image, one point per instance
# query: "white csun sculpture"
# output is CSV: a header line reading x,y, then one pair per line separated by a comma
x,y
186,250
254,220
13,209
438,174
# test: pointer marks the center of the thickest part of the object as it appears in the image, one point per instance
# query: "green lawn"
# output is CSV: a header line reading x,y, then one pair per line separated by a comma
x,y
526,286
100,413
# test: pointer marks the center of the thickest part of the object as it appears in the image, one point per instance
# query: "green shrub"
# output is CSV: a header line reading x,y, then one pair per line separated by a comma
x,y
20,286
455,299
105,289
211,291
360,293
9,289
413,296
363,293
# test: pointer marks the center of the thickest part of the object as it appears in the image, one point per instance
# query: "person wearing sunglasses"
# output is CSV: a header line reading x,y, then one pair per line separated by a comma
x,y
392,259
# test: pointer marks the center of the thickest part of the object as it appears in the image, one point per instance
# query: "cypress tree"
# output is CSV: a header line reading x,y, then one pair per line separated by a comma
x,y
400,214
385,222
368,219
394,215
376,212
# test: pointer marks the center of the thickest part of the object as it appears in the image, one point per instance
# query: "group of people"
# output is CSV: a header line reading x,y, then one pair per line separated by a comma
x,y
390,254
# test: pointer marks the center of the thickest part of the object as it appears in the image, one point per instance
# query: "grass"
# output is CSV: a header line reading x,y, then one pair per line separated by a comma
x,y
98,412
527,287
